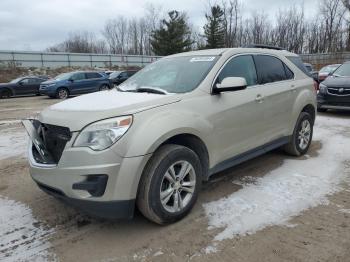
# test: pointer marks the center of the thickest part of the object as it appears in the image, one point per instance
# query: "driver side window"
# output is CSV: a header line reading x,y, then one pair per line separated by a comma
x,y
78,76
240,66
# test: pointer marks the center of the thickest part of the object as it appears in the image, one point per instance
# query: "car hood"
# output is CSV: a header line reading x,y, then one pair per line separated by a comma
x,y
333,81
80,111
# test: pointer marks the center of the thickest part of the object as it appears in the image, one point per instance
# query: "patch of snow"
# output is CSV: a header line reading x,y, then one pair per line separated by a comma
x,y
286,191
158,253
22,237
13,142
210,249
347,211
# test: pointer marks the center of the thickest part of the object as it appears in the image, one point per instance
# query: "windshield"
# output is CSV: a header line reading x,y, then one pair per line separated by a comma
x,y
343,70
114,74
329,69
172,75
16,80
64,76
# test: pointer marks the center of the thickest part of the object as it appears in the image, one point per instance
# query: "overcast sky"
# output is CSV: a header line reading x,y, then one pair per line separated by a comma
x,y
37,24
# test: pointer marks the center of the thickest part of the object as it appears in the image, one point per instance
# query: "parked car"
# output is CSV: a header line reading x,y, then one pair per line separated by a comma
x,y
152,141
326,70
335,90
74,83
28,85
311,71
119,77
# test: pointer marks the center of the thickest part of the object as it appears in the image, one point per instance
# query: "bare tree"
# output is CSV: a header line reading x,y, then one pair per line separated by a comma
x,y
80,42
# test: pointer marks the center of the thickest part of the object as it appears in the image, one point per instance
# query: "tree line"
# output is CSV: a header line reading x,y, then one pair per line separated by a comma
x,y
226,26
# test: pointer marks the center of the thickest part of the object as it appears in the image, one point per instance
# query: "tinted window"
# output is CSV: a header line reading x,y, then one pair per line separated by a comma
x,y
32,81
296,60
25,81
270,69
93,75
124,74
289,73
241,66
78,76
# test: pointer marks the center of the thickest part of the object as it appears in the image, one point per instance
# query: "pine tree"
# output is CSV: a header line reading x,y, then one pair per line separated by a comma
x,y
214,29
173,36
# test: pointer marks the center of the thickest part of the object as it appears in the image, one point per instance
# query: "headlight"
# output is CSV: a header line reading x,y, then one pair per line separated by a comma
x,y
323,89
101,135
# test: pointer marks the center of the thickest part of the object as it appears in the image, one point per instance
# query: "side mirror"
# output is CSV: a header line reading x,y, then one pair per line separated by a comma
x,y
230,84
71,80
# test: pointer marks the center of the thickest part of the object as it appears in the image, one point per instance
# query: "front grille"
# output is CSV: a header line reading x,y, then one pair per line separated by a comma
x,y
339,91
54,137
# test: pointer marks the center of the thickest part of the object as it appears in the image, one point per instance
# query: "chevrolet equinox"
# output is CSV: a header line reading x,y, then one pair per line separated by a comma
x,y
152,141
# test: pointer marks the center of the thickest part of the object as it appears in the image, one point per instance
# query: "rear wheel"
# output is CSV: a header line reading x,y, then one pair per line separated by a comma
x,y
302,136
62,93
5,93
169,185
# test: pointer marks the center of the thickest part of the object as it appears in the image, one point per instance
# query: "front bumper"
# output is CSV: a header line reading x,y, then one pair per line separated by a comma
x,y
326,101
47,91
66,179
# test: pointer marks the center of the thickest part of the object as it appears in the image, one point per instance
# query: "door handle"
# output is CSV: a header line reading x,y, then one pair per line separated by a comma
x,y
259,98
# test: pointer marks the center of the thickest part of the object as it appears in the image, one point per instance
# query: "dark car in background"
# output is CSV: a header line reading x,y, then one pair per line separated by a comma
x,y
326,71
28,85
119,77
75,83
334,92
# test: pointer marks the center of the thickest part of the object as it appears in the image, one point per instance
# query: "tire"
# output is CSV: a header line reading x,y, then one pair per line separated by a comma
x,y
104,88
62,93
154,182
5,93
301,138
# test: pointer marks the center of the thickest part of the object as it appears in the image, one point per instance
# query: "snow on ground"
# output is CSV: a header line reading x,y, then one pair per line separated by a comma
x,y
288,190
13,142
22,237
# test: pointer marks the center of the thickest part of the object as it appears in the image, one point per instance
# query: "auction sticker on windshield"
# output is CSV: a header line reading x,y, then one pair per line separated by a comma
x,y
202,59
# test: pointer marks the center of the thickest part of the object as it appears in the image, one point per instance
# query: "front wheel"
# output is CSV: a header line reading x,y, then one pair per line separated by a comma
x,y
169,185
302,136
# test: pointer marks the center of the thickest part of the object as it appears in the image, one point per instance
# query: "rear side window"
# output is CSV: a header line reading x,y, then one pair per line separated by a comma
x,y
270,69
296,60
240,66
93,75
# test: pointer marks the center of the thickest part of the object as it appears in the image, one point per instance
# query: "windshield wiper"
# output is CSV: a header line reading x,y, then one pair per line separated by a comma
x,y
151,90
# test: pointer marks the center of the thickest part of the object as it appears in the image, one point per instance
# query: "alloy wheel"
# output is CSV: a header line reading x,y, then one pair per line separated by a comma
x,y
177,187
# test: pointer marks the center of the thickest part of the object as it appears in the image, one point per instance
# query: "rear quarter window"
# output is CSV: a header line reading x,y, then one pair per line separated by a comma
x,y
271,69
296,60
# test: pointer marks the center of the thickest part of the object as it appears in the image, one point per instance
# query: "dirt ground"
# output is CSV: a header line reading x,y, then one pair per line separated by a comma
x,y
321,233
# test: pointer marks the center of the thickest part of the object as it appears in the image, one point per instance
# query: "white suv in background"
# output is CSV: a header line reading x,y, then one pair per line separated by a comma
x,y
152,141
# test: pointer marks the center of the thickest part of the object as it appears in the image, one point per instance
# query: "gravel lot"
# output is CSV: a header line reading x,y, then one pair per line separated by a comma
x,y
272,208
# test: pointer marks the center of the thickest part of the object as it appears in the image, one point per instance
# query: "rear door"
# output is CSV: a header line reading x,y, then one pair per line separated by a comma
x,y
95,81
78,83
278,88
26,86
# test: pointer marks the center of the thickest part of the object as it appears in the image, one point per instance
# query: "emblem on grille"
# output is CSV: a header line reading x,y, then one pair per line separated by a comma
x,y
341,90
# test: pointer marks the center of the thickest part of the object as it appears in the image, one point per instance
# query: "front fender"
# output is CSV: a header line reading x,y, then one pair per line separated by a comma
x,y
153,127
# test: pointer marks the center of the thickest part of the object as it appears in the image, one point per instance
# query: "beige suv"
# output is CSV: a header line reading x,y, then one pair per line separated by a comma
x,y
151,142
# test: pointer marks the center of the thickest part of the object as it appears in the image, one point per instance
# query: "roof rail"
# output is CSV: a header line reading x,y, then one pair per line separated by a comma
x,y
263,46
